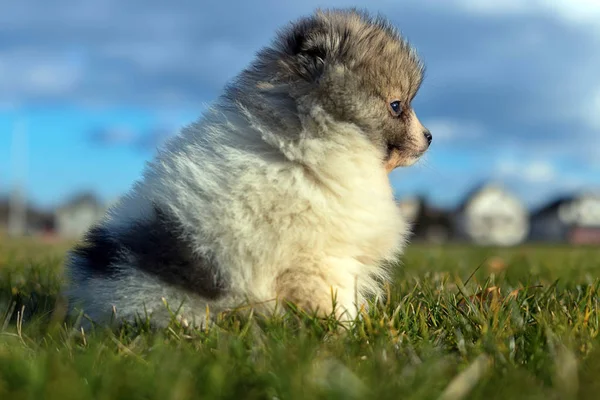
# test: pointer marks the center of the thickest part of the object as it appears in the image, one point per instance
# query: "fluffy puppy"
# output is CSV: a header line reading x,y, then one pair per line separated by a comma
x,y
279,192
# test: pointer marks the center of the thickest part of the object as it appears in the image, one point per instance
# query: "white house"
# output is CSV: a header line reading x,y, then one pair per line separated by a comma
x,y
75,217
490,215
568,219
428,223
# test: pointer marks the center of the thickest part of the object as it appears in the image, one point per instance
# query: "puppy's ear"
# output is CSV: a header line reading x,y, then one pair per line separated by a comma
x,y
309,54
308,47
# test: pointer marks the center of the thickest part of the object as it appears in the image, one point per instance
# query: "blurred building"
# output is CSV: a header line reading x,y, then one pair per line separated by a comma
x,y
409,207
490,215
429,224
572,219
76,216
35,221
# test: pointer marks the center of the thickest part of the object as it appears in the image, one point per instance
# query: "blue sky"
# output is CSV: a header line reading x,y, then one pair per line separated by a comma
x,y
512,91
62,157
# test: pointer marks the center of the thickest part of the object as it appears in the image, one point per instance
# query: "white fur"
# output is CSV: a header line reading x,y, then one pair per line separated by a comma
x,y
263,203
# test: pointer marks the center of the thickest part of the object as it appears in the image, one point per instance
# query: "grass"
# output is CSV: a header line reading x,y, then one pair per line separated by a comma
x,y
459,322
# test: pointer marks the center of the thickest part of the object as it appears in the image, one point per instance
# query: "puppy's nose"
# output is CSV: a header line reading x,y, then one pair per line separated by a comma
x,y
428,136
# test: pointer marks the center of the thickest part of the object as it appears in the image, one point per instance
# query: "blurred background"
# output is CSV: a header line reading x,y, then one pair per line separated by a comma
x,y
88,90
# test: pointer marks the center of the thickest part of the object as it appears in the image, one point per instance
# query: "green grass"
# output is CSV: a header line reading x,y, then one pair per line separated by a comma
x,y
533,335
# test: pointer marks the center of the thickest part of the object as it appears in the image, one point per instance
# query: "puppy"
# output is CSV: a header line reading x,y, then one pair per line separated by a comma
x,y
280,192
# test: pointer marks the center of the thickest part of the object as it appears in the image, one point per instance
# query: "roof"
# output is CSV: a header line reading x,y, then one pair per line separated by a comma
x,y
476,190
552,205
80,200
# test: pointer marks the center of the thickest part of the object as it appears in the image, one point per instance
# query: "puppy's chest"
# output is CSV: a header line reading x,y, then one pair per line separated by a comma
x,y
382,236
373,224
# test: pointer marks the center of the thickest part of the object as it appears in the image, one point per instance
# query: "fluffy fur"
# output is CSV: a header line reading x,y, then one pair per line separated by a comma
x,y
279,192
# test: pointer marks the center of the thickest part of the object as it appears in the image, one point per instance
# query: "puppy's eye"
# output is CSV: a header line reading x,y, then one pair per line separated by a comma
x,y
396,107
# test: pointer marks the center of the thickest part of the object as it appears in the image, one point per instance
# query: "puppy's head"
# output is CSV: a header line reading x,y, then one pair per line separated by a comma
x,y
359,70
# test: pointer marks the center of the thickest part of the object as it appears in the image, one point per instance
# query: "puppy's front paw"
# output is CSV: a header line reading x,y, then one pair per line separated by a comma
x,y
311,294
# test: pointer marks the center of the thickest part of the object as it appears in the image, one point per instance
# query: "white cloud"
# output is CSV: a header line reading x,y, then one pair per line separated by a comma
x,y
539,171
586,11
538,180
494,7
536,171
25,73
113,136
591,111
568,11
448,129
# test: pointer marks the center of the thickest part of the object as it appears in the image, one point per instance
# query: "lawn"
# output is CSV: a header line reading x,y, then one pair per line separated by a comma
x,y
459,322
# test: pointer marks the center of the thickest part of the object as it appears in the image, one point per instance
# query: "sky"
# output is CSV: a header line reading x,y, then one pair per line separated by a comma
x,y
512,91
